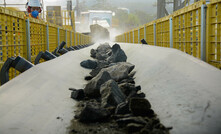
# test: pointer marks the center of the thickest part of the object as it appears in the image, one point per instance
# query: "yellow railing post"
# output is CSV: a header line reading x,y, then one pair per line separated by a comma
x,y
213,51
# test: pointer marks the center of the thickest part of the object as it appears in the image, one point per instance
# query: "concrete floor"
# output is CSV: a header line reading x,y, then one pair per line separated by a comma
x,y
184,91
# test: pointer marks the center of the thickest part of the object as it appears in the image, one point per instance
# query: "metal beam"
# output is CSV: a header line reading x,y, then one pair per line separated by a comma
x,y
47,37
28,41
203,32
145,33
70,38
66,37
133,37
58,31
171,32
155,34
138,36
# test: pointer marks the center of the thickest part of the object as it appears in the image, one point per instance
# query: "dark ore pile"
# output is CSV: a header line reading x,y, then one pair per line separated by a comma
x,y
111,103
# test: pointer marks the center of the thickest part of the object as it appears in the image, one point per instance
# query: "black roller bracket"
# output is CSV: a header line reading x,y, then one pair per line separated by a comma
x,y
143,41
20,64
70,49
76,47
81,46
61,46
44,55
55,52
60,50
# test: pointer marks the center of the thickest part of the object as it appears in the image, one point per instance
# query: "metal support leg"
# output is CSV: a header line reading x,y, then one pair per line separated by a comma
x,y
203,32
66,37
20,64
155,37
70,39
171,32
47,37
74,38
126,38
58,37
145,33
138,36
133,37
28,40
77,39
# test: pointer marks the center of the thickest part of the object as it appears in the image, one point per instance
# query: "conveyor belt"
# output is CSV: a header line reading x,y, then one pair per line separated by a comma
x,y
184,91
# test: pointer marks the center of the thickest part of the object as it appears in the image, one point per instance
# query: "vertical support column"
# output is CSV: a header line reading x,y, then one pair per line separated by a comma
x,y
133,37
203,32
145,33
28,40
74,38
123,38
208,33
129,38
58,36
47,37
77,38
70,38
138,36
126,37
82,41
155,34
171,32
66,37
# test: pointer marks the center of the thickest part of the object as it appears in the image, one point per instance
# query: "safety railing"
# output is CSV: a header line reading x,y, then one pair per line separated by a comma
x,y
12,37
150,30
187,32
60,17
163,32
214,33
195,30
26,37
